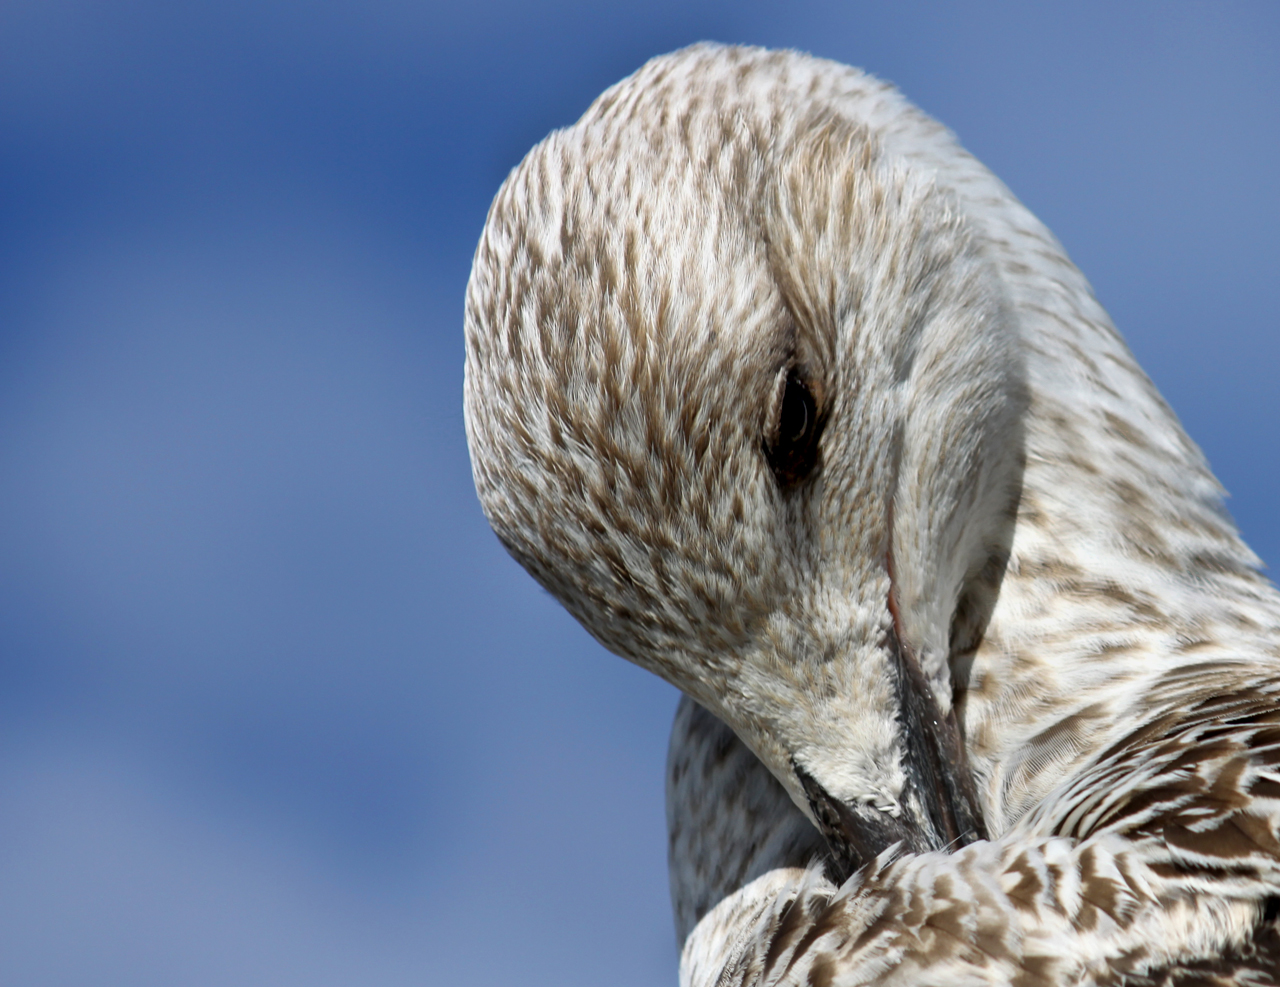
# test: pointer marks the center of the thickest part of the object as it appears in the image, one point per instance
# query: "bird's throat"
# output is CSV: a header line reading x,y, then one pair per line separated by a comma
x,y
939,807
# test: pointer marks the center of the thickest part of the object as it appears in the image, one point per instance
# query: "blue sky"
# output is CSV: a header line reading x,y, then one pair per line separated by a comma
x,y
275,707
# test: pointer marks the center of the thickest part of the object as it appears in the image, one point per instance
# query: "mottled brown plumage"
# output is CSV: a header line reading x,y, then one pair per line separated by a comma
x,y
1177,821
987,517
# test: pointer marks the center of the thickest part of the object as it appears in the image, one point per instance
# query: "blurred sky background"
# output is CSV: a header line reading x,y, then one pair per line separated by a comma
x,y
275,707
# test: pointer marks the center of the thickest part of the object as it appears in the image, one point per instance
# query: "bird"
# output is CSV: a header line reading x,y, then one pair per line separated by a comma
x,y
787,399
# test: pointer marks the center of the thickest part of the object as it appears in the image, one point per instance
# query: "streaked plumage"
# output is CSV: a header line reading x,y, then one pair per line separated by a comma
x,y
1000,504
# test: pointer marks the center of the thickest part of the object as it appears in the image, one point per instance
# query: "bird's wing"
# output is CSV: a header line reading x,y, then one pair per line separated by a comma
x,y
1155,865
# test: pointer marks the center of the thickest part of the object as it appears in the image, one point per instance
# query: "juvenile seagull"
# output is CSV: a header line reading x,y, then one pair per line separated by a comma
x,y
787,399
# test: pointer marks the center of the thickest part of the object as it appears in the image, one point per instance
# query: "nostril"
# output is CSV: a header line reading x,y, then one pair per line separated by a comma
x,y
856,835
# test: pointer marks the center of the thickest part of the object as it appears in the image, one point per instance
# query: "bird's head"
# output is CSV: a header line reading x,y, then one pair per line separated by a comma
x,y
744,395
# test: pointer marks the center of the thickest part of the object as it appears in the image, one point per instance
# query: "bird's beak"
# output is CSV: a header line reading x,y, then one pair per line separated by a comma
x,y
939,807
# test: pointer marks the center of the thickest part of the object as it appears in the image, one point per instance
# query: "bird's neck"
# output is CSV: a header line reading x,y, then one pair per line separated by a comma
x,y
1124,566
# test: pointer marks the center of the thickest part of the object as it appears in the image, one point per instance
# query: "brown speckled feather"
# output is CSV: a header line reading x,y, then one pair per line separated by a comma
x,y
790,401
1179,819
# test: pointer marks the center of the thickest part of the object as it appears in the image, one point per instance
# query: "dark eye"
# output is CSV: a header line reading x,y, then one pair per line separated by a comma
x,y
791,444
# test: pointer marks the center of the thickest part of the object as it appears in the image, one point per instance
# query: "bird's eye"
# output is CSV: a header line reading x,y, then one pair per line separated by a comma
x,y
791,444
